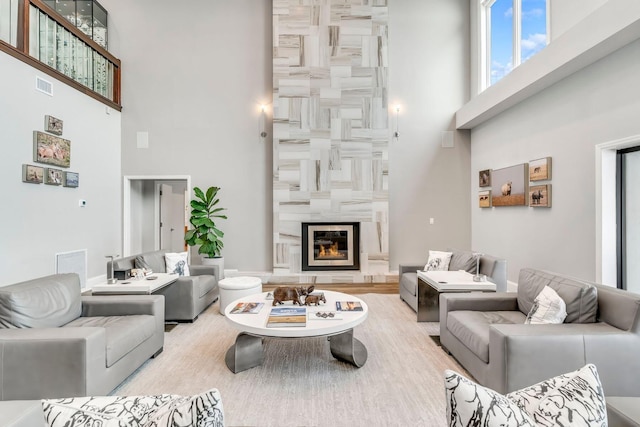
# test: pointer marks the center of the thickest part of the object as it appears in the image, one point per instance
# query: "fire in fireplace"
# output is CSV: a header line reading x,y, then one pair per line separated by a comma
x,y
330,246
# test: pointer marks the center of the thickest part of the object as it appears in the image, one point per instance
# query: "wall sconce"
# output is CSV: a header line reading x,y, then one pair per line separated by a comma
x,y
111,280
263,121
396,133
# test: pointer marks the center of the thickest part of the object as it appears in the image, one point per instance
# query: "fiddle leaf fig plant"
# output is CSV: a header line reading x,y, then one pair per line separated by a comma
x,y
203,214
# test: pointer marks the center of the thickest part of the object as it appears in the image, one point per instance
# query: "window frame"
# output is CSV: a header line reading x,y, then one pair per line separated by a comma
x,y
516,34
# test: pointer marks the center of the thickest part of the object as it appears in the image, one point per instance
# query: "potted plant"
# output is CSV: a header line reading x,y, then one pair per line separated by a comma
x,y
205,233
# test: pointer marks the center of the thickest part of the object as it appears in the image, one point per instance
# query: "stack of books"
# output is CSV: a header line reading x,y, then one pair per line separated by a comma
x,y
348,306
287,316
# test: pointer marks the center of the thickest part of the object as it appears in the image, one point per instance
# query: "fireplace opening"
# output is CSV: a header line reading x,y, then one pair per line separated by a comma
x,y
330,246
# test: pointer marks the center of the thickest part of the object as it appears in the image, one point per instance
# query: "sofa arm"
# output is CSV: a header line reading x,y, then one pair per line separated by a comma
x,y
199,270
41,363
522,355
122,305
409,268
478,301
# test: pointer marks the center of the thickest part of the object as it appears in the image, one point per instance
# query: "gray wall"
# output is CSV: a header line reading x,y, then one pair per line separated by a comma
x,y
38,221
428,77
195,81
194,76
600,103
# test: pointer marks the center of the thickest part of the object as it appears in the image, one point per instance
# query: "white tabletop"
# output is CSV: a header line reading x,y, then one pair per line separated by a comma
x,y
255,324
454,281
135,286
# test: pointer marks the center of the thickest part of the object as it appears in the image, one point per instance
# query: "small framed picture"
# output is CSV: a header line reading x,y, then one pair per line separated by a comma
x,y
484,199
540,196
52,176
53,125
540,169
484,178
32,174
71,179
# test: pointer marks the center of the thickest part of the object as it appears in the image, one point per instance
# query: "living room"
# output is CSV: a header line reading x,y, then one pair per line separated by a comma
x,y
194,79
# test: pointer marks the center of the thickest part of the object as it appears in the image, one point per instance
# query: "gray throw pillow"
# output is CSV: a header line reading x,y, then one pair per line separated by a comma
x,y
463,260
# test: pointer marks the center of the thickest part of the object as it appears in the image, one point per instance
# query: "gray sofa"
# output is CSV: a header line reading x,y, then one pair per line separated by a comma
x,y
494,268
487,335
188,296
56,343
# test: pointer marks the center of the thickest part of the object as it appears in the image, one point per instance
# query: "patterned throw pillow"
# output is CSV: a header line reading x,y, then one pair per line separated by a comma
x,y
470,404
438,261
548,307
576,398
203,410
573,399
177,263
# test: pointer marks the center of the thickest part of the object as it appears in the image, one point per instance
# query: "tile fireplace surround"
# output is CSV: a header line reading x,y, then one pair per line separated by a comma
x,y
330,132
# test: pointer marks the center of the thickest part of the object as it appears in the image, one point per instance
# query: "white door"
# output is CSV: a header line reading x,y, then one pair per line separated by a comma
x,y
172,216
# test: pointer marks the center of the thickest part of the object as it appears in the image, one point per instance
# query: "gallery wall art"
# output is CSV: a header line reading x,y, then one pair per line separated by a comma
x,y
51,149
510,186
540,169
484,178
540,196
52,176
484,199
53,125
71,179
32,174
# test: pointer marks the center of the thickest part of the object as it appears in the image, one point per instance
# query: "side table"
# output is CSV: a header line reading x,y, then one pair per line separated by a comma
x,y
232,288
432,283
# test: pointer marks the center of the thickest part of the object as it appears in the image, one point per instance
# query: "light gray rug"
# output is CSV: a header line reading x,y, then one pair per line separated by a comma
x,y
300,383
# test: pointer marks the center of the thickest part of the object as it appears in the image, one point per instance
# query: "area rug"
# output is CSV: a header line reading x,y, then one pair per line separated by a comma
x,y
300,383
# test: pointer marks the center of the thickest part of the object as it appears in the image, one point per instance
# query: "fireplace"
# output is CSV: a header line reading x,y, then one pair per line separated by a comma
x,y
330,246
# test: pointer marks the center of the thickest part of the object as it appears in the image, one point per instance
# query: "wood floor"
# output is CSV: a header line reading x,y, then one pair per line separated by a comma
x,y
348,288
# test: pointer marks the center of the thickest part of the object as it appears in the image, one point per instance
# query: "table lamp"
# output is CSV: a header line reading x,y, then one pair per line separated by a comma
x,y
111,280
477,277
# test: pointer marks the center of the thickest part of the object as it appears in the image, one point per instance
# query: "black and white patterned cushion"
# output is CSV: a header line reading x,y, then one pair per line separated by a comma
x,y
573,399
203,410
470,404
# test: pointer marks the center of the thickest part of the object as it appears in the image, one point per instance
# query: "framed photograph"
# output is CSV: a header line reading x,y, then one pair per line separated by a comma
x,y
540,169
52,176
484,198
510,186
32,174
484,178
53,125
540,196
71,179
51,149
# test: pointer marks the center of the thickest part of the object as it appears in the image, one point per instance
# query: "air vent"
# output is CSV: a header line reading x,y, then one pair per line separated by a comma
x,y
44,86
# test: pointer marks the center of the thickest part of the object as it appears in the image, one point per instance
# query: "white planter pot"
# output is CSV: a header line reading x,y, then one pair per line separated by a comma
x,y
219,261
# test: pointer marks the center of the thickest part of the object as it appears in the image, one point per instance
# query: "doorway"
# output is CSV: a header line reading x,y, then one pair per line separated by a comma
x,y
155,213
628,218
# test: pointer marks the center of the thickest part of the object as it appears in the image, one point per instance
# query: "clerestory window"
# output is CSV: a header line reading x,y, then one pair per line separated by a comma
x,y
512,32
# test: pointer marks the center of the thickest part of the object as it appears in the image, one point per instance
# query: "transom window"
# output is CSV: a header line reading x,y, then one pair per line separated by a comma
x,y
513,31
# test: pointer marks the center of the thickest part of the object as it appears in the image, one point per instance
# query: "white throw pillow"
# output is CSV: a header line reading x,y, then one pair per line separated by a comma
x,y
177,263
202,410
570,399
438,261
548,307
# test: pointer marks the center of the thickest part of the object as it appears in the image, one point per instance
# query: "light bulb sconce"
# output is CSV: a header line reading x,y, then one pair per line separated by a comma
x,y
263,121
396,133
111,280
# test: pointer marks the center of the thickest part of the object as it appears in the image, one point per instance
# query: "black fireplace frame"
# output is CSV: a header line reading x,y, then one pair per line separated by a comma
x,y
305,247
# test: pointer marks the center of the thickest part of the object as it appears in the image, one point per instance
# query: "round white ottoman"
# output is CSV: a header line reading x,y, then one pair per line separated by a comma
x,y
232,288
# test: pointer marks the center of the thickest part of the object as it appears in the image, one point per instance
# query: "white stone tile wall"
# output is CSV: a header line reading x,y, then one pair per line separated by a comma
x,y
330,128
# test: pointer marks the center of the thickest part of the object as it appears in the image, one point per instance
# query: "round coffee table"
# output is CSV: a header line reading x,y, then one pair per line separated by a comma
x,y
247,352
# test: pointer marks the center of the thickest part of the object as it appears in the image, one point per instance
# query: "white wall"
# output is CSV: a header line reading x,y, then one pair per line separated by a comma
x,y
38,221
597,104
428,77
194,77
